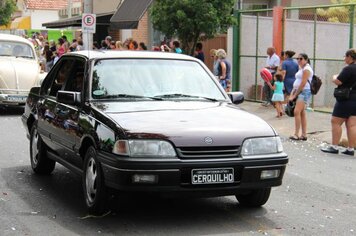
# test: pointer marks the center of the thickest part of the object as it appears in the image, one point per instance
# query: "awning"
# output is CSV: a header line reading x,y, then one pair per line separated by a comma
x,y
129,14
101,19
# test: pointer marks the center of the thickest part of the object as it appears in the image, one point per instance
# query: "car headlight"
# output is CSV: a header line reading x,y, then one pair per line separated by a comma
x,y
144,148
261,146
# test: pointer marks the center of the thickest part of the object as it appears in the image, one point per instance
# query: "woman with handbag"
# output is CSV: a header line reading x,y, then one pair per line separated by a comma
x,y
302,94
345,106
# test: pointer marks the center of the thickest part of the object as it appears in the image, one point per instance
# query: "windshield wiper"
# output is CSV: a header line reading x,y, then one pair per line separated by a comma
x,y
123,95
180,95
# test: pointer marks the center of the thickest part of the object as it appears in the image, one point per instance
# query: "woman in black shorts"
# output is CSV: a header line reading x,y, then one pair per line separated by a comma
x,y
345,111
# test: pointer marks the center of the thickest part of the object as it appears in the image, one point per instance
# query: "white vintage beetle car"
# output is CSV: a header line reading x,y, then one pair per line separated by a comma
x,y
19,69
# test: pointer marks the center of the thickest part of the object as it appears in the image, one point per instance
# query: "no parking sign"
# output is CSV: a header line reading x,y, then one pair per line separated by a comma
x,y
88,23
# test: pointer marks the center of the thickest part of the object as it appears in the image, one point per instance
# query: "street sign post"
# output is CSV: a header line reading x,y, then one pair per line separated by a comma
x,y
88,23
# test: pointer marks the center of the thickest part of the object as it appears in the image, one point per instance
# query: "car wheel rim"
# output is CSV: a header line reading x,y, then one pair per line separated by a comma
x,y
90,180
34,147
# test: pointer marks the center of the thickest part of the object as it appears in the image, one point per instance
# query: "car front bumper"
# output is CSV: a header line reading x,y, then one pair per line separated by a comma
x,y
176,175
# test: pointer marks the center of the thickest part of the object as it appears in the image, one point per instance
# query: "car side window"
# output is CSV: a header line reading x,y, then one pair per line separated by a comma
x,y
75,81
61,76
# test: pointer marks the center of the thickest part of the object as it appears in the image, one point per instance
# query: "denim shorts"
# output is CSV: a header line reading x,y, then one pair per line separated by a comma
x,y
305,96
225,83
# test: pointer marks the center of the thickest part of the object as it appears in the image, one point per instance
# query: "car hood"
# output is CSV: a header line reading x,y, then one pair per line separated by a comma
x,y
186,123
18,73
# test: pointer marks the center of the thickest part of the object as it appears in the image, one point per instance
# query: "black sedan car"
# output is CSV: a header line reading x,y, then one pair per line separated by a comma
x,y
149,122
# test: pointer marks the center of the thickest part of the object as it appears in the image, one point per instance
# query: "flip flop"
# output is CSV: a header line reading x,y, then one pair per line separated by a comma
x,y
303,138
294,137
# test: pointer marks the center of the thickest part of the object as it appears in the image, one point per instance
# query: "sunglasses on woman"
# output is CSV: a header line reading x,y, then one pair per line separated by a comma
x,y
300,58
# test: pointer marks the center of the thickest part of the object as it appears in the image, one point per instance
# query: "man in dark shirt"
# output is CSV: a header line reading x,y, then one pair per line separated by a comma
x,y
199,52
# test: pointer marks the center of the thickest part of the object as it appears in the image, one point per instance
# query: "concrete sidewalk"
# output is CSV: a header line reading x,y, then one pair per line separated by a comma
x,y
318,128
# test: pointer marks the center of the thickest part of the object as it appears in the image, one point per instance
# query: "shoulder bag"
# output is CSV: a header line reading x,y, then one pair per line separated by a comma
x,y
315,84
342,94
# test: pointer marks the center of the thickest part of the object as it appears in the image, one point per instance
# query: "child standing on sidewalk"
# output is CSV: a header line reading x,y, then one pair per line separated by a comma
x,y
278,96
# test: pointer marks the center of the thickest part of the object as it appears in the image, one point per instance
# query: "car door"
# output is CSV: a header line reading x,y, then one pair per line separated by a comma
x,y
49,124
68,115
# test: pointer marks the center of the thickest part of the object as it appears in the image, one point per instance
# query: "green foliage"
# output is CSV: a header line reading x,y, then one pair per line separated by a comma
x,y
192,20
7,7
337,14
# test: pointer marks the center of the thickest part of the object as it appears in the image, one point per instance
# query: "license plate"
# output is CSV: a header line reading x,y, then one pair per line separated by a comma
x,y
17,98
213,176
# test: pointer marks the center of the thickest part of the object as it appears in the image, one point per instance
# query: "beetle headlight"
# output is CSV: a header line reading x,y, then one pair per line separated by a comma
x,y
144,148
261,146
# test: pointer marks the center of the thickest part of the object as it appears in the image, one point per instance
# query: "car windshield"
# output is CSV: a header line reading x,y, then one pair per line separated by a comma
x,y
156,79
16,49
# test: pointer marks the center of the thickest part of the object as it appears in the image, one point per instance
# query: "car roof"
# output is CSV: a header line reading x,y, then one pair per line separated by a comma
x,y
102,54
10,37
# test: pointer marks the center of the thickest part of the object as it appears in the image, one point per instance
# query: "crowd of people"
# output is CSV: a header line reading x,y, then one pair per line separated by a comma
x,y
292,83
49,51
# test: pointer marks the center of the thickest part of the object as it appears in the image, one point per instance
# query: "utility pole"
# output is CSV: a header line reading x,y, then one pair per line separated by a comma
x,y
88,37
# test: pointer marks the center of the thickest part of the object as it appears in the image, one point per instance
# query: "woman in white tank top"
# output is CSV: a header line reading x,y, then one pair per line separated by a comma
x,y
302,94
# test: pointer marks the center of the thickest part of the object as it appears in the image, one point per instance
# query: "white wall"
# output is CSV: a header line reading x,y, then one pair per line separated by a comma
x,y
42,16
125,34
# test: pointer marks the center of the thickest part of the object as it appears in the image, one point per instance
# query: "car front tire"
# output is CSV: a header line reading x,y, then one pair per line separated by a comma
x,y
40,163
95,192
256,198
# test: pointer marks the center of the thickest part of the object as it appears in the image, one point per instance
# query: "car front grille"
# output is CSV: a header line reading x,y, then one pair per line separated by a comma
x,y
208,152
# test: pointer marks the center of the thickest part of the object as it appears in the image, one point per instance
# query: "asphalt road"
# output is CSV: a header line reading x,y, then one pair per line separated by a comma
x,y
317,197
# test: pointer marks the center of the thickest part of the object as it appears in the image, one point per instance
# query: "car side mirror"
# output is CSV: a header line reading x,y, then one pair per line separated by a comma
x,y
236,97
68,97
35,90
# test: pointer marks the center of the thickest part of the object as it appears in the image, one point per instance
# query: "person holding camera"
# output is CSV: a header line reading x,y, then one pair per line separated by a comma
x,y
345,108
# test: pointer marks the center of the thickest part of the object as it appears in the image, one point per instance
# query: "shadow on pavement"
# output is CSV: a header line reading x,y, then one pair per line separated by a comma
x,y
59,197
11,111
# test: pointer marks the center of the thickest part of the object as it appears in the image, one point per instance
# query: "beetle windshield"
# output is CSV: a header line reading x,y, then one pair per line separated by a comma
x,y
16,49
153,78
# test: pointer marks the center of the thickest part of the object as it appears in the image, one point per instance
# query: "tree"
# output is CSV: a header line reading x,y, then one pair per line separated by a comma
x,y
192,20
337,14
7,7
